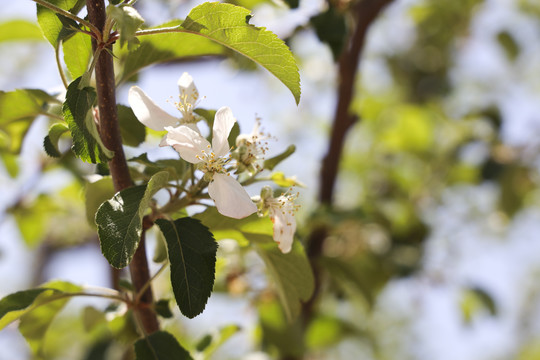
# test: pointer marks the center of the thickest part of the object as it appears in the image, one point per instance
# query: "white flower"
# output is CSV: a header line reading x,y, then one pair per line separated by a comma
x,y
281,211
230,197
251,149
154,117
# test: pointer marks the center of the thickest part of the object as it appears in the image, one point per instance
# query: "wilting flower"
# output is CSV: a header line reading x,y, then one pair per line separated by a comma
x,y
251,149
230,197
154,117
281,211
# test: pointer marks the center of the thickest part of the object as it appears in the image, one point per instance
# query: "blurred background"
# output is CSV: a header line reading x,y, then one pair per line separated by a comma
x,y
431,246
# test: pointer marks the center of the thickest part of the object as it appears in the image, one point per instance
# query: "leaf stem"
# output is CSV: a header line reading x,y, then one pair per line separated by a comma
x,y
59,64
149,282
67,14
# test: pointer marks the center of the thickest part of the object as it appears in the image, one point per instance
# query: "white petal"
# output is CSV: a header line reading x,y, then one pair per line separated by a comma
x,y
284,228
223,123
187,87
230,197
148,112
187,142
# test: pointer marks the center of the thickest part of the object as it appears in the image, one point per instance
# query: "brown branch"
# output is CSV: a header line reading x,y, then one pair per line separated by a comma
x,y
110,135
365,12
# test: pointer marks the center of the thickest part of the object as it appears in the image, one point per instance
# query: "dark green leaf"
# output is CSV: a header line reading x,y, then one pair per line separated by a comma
x,y
77,54
271,163
128,21
132,130
331,29
34,324
95,193
209,344
119,220
56,27
175,167
160,346
509,44
50,143
228,25
17,30
162,308
204,343
164,47
192,254
77,111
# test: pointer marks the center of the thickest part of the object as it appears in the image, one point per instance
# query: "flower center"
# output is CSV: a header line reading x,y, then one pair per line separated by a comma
x,y
212,163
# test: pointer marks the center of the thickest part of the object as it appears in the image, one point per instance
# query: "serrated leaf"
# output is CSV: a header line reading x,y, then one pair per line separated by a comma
x,y
132,130
18,109
77,53
34,324
128,21
56,27
77,112
17,30
95,193
228,25
160,48
119,220
271,163
15,305
192,254
50,143
160,346
291,273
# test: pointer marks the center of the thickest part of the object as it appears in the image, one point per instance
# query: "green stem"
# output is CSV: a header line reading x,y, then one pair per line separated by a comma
x,y
69,15
149,282
59,64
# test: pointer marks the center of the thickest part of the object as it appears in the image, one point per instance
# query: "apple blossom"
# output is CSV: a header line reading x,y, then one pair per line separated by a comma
x,y
250,150
154,117
281,211
230,197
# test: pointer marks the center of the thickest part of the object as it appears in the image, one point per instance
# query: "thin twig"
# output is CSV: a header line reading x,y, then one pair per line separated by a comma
x,y
59,64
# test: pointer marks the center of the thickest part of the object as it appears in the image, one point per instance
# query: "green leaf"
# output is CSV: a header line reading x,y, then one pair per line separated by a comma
x,y
95,193
77,54
175,167
18,109
291,272
209,344
160,48
34,324
128,21
56,27
50,143
331,28
119,220
77,112
17,30
192,254
271,163
132,130
15,305
162,308
228,25
160,345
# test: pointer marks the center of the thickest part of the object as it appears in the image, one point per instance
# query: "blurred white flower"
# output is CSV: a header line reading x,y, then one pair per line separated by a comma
x,y
281,211
251,149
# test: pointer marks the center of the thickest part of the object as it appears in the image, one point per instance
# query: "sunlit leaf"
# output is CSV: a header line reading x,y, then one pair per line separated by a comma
x,y
77,53
56,27
17,30
119,220
160,346
229,26
132,130
34,324
128,21
192,254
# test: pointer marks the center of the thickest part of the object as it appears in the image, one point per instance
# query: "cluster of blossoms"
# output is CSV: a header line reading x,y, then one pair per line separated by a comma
x,y
215,160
